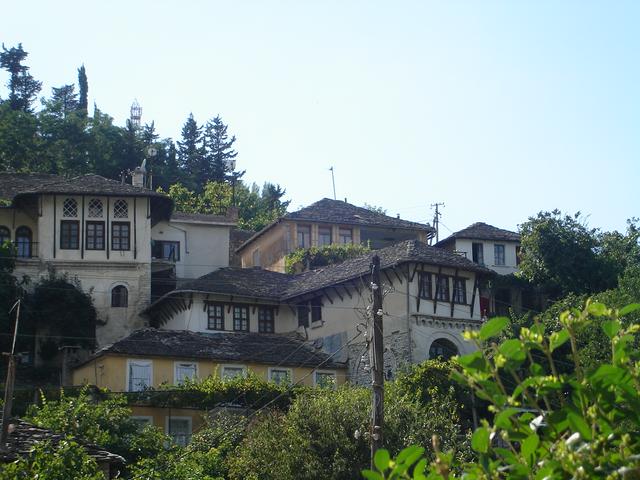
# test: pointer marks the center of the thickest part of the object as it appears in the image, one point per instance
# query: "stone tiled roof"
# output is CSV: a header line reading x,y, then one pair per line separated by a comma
x,y
23,436
15,184
274,286
402,252
482,231
235,347
339,212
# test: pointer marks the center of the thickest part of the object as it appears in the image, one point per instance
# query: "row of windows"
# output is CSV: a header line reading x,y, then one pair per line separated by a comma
x,y
23,240
499,259
426,288
140,374
240,317
95,235
345,236
96,208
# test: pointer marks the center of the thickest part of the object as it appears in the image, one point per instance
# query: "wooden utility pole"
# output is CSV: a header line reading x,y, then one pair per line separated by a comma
x,y
8,388
436,219
377,362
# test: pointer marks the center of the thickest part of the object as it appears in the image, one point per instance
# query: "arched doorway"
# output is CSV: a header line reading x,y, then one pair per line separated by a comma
x,y
443,349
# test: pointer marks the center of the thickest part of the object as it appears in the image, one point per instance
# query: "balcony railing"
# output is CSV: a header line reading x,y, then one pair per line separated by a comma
x,y
25,249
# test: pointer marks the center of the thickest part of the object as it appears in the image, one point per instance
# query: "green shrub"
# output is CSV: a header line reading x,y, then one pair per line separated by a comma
x,y
316,257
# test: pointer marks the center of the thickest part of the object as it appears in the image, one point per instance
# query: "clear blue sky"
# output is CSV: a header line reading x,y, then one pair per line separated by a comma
x,y
499,109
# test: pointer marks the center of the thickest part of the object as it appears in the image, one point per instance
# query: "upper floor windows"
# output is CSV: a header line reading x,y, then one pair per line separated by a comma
x,y
498,250
424,285
166,250
95,208
120,209
345,235
477,252
5,235
139,375
265,320
240,318
70,208
442,288
95,236
324,236
120,236
24,242
460,291
215,314
304,236
69,235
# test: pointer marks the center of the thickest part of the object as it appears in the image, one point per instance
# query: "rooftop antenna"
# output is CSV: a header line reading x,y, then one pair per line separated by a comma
x,y
136,113
333,181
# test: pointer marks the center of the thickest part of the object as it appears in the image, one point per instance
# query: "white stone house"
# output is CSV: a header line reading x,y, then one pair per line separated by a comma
x,y
431,297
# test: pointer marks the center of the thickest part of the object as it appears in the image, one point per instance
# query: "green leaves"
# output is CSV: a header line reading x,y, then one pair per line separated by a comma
x,y
611,327
629,309
557,339
513,350
493,327
480,440
381,459
579,424
529,447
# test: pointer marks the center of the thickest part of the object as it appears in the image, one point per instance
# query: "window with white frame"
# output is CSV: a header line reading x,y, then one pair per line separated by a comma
x,y
70,208
498,251
345,235
95,208
442,288
281,376
139,374
233,371
120,209
324,379
179,429
304,236
184,371
324,236
460,291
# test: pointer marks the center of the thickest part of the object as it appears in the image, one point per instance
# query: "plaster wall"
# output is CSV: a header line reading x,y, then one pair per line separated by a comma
x,y
510,266
203,247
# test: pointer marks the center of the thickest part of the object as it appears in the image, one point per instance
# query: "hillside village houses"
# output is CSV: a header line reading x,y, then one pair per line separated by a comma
x,y
171,308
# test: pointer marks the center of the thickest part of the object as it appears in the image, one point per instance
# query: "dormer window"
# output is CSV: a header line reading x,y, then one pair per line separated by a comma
x,y
120,209
70,208
95,208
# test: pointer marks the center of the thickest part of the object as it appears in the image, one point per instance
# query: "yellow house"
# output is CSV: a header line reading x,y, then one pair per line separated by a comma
x,y
151,358
323,223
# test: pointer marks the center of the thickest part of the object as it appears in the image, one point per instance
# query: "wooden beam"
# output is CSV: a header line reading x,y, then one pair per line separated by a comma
x,y
345,287
435,296
205,303
190,301
398,276
388,277
473,295
326,294
338,294
455,276
415,269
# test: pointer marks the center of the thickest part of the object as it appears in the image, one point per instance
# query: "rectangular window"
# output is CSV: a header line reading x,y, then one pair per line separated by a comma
x,y
69,235
256,258
424,285
166,250
142,420
477,252
303,315
215,316
233,371
179,429
324,379
499,254
265,320
316,310
324,236
443,288
241,319
184,371
281,376
120,236
139,375
304,236
95,236
460,291
345,235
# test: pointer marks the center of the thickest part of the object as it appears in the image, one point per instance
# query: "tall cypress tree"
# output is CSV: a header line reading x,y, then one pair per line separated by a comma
x,y
83,85
191,155
23,88
219,149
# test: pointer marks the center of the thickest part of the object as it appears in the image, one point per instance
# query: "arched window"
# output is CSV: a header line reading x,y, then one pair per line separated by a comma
x,y
5,234
120,209
70,208
23,242
95,208
443,349
119,296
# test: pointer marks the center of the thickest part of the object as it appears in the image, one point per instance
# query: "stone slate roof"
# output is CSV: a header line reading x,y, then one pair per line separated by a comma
x,y
13,185
339,212
202,218
236,347
244,282
482,231
24,435
274,286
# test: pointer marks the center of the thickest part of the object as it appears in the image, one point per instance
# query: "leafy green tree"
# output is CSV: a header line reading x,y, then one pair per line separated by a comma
x,y
191,156
316,257
83,86
10,291
20,141
104,145
218,150
23,88
47,461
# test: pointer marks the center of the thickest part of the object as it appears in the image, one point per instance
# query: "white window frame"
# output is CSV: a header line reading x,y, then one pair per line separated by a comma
x,y
326,372
175,370
272,369
168,418
147,418
129,360
232,365
496,247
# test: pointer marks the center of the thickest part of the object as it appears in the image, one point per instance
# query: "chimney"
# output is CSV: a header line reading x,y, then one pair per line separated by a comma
x,y
137,177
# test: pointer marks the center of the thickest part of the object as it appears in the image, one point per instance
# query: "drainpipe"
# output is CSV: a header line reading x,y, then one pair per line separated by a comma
x,y
186,248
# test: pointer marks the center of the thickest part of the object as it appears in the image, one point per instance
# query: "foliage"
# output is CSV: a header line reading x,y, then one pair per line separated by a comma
x,y
23,88
561,255
107,423
373,208
584,424
10,291
323,435
256,208
316,257
63,461
61,298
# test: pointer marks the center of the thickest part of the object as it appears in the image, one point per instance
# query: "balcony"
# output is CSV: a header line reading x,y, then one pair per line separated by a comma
x,y
25,249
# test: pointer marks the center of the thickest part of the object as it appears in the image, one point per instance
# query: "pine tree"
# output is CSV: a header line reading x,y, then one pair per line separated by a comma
x,y
64,101
219,149
191,157
23,88
83,85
